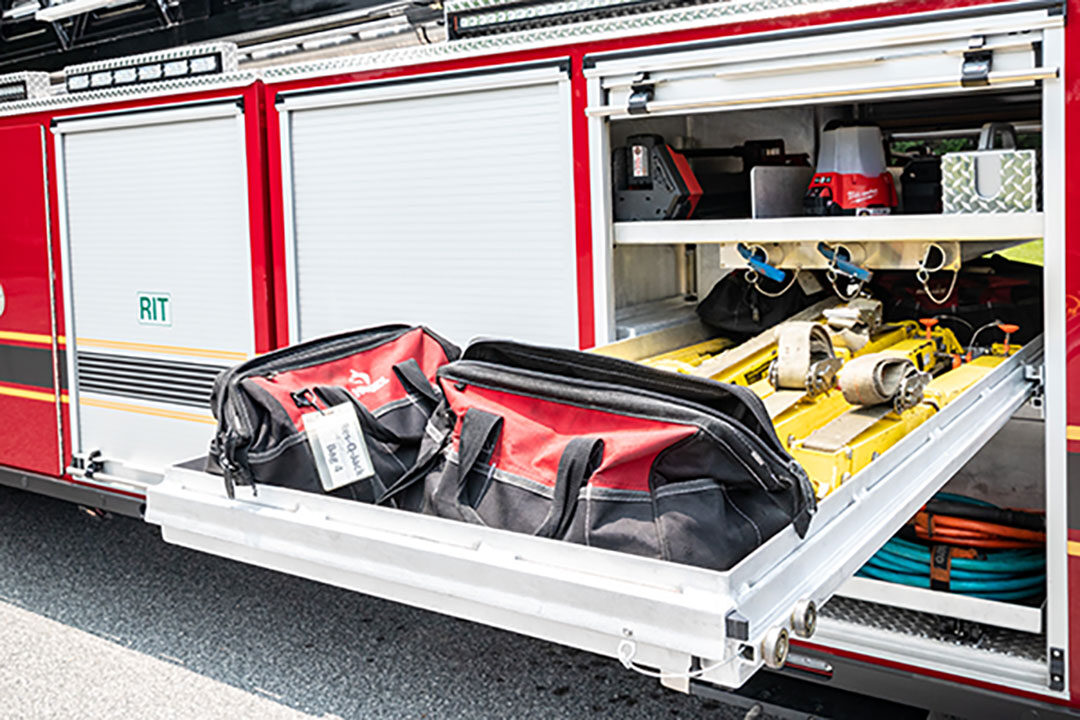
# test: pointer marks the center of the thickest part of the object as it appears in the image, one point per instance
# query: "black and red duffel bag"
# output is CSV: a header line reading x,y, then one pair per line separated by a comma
x,y
608,453
385,373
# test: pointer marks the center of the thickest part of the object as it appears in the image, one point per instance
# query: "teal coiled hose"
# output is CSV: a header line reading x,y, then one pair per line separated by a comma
x,y
1008,575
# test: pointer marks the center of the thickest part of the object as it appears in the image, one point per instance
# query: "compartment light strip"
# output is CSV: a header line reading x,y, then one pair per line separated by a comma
x,y
155,67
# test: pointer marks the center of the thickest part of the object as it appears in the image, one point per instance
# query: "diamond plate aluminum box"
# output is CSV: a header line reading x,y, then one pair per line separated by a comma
x,y
989,181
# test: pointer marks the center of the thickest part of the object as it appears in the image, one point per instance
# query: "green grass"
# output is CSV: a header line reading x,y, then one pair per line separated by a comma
x,y
1031,253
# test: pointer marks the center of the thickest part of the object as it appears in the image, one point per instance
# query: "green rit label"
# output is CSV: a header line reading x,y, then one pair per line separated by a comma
x,y
155,309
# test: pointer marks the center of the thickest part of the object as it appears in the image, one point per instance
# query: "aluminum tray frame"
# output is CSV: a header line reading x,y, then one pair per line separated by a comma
x,y
647,613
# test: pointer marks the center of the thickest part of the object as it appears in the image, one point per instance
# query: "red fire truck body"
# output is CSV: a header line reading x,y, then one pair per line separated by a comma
x,y
308,188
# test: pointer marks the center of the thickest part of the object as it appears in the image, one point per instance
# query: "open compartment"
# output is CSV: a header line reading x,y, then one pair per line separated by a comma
x,y
704,108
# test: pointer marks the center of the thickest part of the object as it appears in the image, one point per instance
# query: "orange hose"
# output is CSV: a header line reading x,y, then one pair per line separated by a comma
x,y
975,528
963,532
975,542
936,530
962,538
988,528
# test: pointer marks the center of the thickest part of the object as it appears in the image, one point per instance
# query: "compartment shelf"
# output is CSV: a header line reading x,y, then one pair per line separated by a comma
x,y
996,229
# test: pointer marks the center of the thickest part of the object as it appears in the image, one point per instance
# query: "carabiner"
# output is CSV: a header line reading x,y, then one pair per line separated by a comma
x,y
759,262
840,262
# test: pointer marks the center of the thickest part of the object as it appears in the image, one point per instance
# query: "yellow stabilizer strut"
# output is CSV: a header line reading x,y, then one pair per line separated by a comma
x,y
809,414
827,470
684,359
749,362
748,365
893,333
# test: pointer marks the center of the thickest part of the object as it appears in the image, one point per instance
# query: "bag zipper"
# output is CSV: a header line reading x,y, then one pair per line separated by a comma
x,y
737,428
745,395
652,377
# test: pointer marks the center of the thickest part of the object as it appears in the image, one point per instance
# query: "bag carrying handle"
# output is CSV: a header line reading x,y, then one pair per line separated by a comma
x,y
480,431
413,379
580,459
992,130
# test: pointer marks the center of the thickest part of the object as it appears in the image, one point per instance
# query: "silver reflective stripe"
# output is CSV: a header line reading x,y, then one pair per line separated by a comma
x,y
523,483
592,492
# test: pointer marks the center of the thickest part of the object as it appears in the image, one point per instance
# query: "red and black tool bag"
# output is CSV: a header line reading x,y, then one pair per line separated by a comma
x,y
385,372
608,453
986,291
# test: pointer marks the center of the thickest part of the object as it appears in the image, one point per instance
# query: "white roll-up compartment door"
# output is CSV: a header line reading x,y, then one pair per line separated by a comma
x,y
952,56
157,254
442,201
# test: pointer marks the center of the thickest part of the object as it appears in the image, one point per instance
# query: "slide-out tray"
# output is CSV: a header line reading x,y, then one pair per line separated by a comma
x,y
676,618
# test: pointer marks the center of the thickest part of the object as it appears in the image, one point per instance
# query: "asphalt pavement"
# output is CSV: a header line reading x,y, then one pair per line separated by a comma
x,y
102,619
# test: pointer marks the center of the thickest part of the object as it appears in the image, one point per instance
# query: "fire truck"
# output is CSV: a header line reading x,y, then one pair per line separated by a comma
x,y
171,213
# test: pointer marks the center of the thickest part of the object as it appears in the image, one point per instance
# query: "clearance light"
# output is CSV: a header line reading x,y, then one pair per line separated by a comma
x,y
153,67
176,68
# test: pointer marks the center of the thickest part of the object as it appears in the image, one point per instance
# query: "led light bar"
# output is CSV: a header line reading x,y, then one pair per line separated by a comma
x,y
23,86
194,61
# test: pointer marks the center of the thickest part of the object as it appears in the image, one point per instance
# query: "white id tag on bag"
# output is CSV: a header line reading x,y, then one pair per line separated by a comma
x,y
337,442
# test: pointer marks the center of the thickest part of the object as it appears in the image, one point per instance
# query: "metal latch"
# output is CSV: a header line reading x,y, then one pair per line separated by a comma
x,y
86,465
641,94
975,71
1035,407
1034,373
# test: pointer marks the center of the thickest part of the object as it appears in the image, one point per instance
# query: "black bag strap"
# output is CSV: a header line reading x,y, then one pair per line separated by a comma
x,y
579,460
414,380
435,438
226,450
371,425
479,432
802,518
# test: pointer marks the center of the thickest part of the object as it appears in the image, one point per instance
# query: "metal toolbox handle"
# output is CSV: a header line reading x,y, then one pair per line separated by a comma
x,y
991,130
